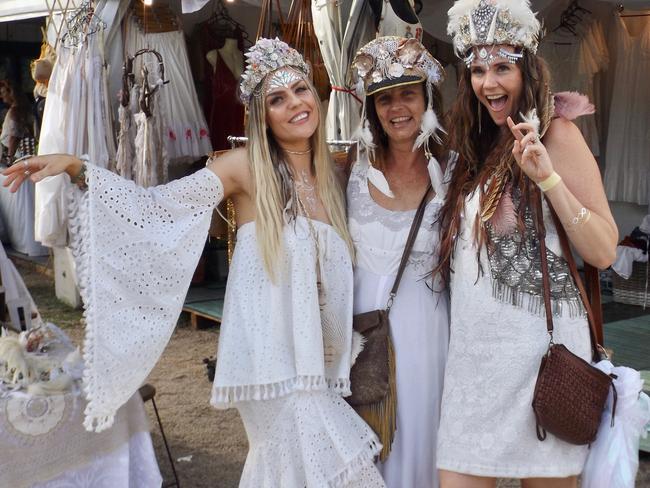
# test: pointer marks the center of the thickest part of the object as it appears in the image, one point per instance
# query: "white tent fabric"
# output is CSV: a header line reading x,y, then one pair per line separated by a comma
x,y
339,42
11,10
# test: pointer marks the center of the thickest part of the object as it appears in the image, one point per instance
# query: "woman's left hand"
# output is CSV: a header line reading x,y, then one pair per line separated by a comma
x,y
529,152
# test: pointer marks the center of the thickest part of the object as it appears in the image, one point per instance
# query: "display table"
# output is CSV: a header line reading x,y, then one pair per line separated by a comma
x,y
44,445
17,214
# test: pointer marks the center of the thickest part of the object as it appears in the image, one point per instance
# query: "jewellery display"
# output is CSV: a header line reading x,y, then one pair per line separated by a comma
x,y
550,182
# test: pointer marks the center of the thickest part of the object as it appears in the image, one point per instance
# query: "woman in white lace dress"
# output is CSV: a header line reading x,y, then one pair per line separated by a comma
x,y
382,199
282,366
490,251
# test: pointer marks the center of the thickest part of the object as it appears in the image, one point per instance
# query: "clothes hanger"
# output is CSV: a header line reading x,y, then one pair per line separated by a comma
x,y
222,25
82,24
621,9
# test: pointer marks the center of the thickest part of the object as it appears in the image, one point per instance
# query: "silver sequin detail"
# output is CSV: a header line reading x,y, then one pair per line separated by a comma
x,y
282,78
517,276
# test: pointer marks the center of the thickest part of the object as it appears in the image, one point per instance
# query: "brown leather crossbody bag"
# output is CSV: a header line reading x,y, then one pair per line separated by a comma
x,y
570,393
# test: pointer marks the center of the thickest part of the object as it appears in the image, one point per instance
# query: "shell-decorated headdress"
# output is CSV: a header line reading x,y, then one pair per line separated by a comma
x,y
388,62
489,22
263,58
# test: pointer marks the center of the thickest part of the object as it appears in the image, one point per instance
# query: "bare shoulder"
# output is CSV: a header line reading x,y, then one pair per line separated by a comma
x,y
233,168
567,148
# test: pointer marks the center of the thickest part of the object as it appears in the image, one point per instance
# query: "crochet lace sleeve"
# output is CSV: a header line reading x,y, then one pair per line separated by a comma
x,y
135,250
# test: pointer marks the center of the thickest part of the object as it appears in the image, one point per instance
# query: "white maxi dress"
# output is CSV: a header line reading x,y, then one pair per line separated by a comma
x,y
419,322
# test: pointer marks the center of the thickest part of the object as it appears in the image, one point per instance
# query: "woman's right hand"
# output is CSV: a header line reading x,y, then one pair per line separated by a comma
x,y
38,167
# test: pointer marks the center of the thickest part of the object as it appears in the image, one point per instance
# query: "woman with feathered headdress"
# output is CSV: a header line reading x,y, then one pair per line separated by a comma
x,y
511,138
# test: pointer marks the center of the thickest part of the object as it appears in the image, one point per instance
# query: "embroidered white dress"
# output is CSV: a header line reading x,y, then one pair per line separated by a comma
x,y
270,365
487,426
136,249
419,322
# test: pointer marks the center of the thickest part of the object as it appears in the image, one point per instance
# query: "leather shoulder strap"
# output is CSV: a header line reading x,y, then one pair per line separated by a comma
x,y
568,256
410,241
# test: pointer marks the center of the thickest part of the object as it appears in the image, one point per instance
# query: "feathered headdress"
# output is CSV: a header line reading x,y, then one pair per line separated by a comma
x,y
489,22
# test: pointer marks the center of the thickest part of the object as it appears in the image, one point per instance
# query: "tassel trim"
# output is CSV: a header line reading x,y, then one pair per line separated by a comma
x,y
225,396
382,416
364,457
79,230
534,304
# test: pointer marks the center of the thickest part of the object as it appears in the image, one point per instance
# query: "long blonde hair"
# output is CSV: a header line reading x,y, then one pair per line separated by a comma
x,y
271,178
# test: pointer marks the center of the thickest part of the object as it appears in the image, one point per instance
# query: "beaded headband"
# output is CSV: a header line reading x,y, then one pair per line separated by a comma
x,y
264,57
491,22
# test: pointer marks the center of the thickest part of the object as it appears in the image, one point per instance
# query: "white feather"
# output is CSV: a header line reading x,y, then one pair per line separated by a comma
x,y
436,176
358,343
428,128
379,181
532,119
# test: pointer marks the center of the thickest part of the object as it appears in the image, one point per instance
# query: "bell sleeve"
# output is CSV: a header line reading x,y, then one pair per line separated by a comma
x,y
135,251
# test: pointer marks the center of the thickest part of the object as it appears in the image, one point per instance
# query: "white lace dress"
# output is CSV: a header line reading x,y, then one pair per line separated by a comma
x,y
270,365
487,426
419,323
135,251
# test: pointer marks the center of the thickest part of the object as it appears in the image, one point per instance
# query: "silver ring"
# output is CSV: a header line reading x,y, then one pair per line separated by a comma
x,y
27,172
536,140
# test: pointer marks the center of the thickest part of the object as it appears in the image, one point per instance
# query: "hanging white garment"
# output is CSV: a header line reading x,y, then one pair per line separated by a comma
x,y
339,43
125,148
186,134
16,295
613,458
150,166
74,122
405,25
574,62
627,166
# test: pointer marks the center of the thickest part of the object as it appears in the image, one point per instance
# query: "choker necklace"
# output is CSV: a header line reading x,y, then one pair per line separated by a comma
x,y
298,153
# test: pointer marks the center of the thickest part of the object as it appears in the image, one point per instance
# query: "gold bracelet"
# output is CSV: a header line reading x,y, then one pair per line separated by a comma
x,y
550,182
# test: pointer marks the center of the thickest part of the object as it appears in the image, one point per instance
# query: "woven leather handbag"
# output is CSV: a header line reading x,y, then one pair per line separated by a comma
x,y
372,378
570,393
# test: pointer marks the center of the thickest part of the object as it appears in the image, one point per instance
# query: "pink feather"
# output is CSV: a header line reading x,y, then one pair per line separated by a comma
x,y
504,219
571,105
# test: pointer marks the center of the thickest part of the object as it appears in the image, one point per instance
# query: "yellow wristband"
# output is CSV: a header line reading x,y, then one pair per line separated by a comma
x,y
549,182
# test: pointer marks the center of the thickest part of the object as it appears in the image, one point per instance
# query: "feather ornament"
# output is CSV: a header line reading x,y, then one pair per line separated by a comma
x,y
504,219
429,127
364,135
358,343
531,118
492,196
379,181
571,105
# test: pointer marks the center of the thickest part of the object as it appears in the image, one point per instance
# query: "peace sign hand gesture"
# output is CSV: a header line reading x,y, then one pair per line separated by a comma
x,y
529,152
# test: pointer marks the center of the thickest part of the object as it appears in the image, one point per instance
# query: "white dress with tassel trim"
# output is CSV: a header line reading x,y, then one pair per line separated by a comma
x,y
270,365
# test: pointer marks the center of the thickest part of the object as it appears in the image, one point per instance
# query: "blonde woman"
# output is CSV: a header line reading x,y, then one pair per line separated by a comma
x,y
285,347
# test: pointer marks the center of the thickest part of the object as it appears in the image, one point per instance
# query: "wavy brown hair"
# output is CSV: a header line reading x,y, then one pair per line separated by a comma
x,y
485,160
381,139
